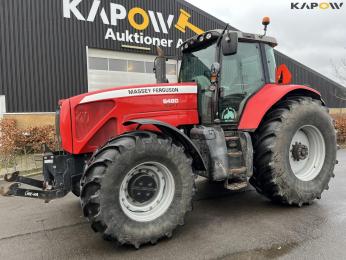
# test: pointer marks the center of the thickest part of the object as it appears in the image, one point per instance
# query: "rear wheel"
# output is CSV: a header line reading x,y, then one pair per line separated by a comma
x,y
137,188
295,152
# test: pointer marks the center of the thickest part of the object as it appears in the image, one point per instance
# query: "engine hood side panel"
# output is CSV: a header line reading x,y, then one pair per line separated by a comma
x,y
98,116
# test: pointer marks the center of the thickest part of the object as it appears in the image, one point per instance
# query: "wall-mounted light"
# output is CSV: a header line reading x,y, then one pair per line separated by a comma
x,y
135,47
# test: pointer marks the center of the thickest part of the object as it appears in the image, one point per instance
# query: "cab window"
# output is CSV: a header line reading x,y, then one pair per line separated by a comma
x,y
271,62
242,73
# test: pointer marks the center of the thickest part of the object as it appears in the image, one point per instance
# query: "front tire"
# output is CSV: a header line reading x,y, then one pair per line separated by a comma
x,y
295,152
137,188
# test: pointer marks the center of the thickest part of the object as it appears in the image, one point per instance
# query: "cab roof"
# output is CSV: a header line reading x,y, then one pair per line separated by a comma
x,y
242,37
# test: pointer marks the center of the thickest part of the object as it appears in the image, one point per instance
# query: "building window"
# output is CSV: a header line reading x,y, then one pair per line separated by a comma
x,y
135,66
149,67
98,63
106,64
117,65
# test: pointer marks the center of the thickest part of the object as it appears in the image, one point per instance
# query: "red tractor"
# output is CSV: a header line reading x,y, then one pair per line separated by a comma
x,y
132,153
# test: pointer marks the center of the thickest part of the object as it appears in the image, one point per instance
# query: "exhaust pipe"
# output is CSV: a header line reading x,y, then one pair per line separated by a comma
x,y
160,67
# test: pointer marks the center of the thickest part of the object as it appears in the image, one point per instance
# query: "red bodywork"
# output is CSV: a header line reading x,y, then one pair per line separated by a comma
x,y
259,104
87,121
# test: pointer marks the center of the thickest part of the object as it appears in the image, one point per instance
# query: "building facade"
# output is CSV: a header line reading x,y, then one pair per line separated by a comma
x,y
55,49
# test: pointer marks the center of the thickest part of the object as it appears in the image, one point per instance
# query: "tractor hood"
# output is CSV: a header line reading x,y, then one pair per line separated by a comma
x,y
87,121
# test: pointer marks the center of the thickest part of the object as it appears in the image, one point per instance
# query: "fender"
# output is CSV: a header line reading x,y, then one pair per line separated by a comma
x,y
176,134
259,104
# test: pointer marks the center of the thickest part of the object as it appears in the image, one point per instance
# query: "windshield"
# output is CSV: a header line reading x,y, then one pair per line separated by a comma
x,y
195,66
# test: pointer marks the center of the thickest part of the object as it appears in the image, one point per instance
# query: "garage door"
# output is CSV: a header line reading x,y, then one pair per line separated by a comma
x,y
108,69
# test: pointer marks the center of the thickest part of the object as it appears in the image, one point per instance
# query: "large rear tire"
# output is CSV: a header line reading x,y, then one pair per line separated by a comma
x,y
295,152
137,188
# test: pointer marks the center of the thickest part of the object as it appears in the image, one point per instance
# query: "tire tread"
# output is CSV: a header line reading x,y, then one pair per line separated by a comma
x,y
97,168
265,178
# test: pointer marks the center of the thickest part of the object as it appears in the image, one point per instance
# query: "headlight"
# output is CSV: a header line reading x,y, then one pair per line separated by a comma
x,y
201,38
208,36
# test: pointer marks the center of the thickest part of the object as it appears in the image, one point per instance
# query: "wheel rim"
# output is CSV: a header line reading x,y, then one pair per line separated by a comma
x,y
147,191
307,153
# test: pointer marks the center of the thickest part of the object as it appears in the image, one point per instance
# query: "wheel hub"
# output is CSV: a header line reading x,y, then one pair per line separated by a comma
x,y
142,188
299,151
307,153
147,191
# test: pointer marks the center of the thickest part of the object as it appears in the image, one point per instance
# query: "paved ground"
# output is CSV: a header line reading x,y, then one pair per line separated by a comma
x,y
233,226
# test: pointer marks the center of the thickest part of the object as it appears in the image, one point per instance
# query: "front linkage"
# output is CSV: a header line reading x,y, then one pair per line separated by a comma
x,y
61,173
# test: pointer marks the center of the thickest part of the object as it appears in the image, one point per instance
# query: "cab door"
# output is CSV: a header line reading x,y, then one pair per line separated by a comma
x,y
242,74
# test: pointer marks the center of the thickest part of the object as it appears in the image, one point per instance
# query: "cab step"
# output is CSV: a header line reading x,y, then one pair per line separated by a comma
x,y
238,171
232,141
235,154
232,145
232,138
237,185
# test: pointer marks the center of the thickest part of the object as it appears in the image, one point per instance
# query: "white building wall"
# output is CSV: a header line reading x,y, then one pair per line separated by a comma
x,y
2,105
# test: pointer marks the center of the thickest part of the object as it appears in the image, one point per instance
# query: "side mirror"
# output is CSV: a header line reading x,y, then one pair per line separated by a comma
x,y
229,43
283,75
160,67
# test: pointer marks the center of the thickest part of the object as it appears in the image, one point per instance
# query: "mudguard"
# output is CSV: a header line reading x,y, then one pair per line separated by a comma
x,y
175,133
211,140
259,104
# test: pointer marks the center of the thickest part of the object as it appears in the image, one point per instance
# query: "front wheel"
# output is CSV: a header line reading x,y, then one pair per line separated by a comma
x,y
295,152
137,188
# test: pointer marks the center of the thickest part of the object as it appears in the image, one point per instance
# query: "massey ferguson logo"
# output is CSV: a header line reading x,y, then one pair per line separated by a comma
x,y
83,117
316,6
137,17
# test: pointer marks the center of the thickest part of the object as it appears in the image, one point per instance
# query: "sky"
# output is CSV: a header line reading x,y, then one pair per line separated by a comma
x,y
316,38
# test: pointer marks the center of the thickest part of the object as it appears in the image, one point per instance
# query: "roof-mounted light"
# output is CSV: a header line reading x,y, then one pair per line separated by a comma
x,y
265,22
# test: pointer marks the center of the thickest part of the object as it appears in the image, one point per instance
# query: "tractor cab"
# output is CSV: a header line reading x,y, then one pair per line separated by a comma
x,y
228,67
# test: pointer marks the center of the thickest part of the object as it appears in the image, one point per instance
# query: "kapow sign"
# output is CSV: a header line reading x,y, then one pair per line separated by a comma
x,y
118,12
316,6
